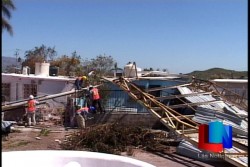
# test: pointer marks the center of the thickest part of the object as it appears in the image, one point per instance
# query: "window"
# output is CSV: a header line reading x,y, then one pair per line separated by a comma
x,y
29,89
6,91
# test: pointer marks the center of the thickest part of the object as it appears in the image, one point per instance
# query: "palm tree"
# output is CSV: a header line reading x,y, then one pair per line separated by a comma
x,y
7,6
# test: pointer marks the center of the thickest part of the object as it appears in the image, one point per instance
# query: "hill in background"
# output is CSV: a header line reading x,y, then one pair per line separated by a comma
x,y
8,61
219,73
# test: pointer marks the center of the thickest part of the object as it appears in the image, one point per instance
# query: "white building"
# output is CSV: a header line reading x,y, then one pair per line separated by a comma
x,y
20,86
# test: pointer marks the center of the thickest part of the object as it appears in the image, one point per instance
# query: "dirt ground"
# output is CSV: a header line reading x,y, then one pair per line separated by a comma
x,y
32,139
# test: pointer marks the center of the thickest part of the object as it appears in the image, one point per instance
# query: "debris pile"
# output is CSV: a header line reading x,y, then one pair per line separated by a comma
x,y
115,138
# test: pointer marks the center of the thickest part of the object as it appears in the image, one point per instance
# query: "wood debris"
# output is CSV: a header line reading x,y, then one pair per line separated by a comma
x,y
115,138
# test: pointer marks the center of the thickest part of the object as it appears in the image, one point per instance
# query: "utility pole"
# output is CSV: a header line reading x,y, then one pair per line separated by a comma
x,y
16,54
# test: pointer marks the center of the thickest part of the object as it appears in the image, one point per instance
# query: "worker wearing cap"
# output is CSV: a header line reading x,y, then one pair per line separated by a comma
x,y
84,77
31,110
85,81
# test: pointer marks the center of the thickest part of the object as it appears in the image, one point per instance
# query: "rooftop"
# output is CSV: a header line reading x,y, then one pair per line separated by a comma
x,y
64,78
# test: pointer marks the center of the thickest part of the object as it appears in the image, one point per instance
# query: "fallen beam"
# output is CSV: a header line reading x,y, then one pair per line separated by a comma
x,y
23,103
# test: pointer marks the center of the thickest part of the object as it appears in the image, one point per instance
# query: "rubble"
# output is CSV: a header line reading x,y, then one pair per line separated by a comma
x,y
189,105
115,138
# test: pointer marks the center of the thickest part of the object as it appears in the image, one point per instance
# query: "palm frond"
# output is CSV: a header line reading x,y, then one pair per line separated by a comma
x,y
7,6
6,26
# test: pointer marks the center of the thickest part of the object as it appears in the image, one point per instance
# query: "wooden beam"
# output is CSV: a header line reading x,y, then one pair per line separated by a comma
x,y
23,103
11,107
181,117
189,131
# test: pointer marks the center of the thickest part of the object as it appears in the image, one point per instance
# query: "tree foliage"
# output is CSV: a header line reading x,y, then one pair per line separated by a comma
x,y
7,6
72,65
68,65
38,54
102,64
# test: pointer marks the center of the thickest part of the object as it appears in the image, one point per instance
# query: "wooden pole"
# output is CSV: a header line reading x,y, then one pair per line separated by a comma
x,y
42,99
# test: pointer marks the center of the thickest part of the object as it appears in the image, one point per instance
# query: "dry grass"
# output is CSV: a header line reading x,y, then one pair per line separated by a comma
x,y
18,144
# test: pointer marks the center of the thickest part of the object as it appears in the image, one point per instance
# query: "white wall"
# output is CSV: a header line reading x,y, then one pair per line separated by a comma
x,y
44,86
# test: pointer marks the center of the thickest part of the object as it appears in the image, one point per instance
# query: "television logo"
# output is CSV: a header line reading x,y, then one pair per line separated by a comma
x,y
215,136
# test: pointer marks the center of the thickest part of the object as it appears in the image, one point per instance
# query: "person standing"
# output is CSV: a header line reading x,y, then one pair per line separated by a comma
x,y
95,98
78,83
31,110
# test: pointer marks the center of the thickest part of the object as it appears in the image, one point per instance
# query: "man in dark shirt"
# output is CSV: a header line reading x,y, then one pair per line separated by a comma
x,y
78,83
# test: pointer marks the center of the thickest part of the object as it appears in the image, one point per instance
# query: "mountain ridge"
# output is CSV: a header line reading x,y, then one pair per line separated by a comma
x,y
219,73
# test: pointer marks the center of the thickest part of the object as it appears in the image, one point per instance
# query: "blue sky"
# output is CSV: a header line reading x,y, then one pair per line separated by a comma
x,y
180,35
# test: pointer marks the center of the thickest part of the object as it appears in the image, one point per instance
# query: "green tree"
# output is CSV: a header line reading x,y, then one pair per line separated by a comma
x,y
38,55
69,66
73,64
7,6
102,64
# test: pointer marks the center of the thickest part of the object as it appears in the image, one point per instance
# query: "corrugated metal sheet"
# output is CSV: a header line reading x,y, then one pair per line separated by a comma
x,y
214,106
222,111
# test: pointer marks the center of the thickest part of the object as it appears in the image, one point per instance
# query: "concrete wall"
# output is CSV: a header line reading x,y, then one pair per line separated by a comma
x,y
44,86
